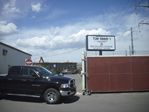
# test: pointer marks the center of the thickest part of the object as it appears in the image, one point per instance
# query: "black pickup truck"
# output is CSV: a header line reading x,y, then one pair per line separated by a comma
x,y
36,81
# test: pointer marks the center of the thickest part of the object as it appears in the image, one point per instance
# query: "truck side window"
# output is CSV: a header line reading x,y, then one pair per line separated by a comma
x,y
14,71
26,72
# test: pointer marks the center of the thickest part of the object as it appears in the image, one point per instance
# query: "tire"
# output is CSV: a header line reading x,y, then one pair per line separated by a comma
x,y
1,95
51,96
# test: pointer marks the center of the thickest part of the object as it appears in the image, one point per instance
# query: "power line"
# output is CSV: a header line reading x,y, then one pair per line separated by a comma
x,y
145,5
143,23
67,52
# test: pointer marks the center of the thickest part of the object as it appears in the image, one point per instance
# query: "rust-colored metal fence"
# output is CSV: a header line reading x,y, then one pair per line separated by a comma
x,y
118,74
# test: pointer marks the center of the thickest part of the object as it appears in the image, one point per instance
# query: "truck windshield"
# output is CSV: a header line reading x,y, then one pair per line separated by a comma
x,y
43,71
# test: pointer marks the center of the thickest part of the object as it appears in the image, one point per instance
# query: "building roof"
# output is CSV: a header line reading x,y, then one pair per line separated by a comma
x,y
14,48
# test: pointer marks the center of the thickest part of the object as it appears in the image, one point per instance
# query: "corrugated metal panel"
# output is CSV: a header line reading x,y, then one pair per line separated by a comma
x,y
116,74
140,68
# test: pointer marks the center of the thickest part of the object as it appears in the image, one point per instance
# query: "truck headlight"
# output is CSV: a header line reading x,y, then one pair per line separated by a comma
x,y
64,85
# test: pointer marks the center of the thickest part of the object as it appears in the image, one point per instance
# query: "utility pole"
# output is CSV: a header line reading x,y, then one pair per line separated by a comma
x,y
132,46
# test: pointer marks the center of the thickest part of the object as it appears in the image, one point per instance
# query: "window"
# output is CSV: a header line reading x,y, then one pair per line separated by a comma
x,y
5,52
43,71
27,71
14,71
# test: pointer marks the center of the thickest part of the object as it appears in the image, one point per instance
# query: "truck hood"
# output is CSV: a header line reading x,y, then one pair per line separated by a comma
x,y
59,79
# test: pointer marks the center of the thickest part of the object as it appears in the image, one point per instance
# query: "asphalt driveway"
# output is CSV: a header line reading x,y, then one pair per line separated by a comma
x,y
111,102
102,102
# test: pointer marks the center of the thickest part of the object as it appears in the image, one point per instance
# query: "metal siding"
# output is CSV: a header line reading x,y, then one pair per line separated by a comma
x,y
13,57
140,67
99,77
117,74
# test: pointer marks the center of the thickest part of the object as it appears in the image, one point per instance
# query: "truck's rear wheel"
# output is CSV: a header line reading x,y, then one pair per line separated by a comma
x,y
51,96
1,94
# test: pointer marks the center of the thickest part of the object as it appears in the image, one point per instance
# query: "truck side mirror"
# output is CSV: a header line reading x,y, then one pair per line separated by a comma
x,y
61,74
35,74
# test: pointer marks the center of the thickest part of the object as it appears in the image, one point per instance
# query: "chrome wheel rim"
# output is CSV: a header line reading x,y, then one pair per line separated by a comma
x,y
51,96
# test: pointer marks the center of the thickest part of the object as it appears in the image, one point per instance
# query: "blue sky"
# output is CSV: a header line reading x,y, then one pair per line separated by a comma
x,y
56,29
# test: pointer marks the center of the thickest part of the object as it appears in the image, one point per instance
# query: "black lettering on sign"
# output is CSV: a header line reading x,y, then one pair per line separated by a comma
x,y
95,38
101,38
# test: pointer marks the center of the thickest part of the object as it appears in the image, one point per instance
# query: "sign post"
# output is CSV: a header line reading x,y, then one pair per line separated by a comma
x,y
100,52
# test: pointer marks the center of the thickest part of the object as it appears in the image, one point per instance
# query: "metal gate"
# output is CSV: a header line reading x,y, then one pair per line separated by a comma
x,y
117,74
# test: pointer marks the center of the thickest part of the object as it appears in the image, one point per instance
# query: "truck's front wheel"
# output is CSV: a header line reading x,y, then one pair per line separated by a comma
x,y
51,96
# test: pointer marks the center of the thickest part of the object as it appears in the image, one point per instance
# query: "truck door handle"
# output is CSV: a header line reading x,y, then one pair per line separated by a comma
x,y
23,80
9,79
36,85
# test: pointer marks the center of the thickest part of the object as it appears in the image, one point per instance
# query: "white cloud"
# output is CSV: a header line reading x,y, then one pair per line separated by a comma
x,y
33,42
36,7
56,40
10,7
7,28
56,43
55,14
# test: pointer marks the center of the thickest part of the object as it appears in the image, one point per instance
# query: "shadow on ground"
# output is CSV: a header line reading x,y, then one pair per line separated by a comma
x,y
72,99
64,100
23,99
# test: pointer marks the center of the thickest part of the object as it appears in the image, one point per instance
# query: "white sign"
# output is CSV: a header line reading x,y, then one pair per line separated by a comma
x,y
100,42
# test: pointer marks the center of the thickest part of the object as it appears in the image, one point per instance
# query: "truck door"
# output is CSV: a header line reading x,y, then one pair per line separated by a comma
x,y
12,82
31,85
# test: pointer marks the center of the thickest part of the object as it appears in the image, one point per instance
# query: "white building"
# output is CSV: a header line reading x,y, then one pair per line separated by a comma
x,y
10,56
